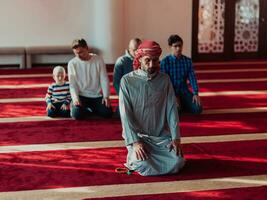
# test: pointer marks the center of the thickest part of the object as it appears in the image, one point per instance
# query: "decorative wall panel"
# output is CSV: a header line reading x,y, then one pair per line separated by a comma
x,y
246,26
211,26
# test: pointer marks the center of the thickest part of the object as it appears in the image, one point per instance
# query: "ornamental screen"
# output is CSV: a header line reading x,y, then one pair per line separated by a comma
x,y
246,26
211,26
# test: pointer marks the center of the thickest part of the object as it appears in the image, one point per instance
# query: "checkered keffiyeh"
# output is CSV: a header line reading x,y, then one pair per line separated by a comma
x,y
147,47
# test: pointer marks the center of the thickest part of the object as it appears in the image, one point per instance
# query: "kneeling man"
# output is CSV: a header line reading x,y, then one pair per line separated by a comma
x,y
149,116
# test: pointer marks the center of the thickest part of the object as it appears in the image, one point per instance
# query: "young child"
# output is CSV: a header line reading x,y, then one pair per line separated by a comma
x,y
58,95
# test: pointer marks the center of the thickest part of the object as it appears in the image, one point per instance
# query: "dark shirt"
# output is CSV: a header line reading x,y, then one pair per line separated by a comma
x,y
123,65
180,71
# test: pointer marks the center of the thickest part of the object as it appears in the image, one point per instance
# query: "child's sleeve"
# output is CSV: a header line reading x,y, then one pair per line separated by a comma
x,y
48,96
68,96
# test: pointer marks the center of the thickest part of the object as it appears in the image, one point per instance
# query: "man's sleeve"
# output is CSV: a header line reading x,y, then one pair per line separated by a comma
x,y
104,81
117,75
172,112
74,91
163,66
192,78
129,124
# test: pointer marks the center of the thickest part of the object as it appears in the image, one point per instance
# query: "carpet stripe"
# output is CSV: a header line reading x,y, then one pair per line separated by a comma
x,y
208,87
21,100
234,110
115,97
120,143
229,93
237,80
199,71
205,112
25,75
248,193
29,119
118,190
230,63
210,71
111,84
24,86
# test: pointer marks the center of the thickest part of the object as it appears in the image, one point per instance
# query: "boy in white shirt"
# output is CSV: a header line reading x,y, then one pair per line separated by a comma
x,y
89,83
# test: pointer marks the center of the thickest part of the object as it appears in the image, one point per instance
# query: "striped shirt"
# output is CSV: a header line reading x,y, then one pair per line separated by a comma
x,y
180,71
58,93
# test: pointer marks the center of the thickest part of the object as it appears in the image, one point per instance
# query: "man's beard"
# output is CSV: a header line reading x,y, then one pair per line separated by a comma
x,y
151,70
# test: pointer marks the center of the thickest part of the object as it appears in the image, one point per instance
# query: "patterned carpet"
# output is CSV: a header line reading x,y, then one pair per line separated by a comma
x,y
53,159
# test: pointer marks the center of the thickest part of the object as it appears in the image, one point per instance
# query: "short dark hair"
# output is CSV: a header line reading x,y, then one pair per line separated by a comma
x,y
79,43
174,38
137,40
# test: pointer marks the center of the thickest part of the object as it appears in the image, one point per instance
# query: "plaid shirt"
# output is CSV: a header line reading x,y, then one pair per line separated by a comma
x,y
180,70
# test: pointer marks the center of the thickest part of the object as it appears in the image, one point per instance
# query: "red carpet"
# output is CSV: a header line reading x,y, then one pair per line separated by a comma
x,y
26,81
209,102
232,65
88,167
204,87
97,130
29,93
257,193
35,70
243,86
234,101
23,93
23,109
232,75
71,168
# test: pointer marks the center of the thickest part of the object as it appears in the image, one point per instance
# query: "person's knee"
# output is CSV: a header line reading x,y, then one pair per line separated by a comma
x,y
143,167
76,112
106,112
51,113
196,109
65,113
117,113
180,162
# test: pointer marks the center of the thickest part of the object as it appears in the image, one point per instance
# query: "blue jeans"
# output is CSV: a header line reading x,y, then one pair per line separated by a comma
x,y
186,104
57,112
90,106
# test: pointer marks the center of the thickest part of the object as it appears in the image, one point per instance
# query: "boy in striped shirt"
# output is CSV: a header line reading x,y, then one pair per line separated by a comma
x,y
58,95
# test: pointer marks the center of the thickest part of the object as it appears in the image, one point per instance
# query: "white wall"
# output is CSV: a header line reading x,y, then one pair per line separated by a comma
x,y
158,19
107,25
44,22
109,28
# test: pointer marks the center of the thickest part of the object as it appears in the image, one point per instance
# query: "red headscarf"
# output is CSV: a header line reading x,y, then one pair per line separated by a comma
x,y
147,47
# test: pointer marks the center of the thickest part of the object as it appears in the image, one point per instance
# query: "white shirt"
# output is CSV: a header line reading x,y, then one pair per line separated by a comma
x,y
88,78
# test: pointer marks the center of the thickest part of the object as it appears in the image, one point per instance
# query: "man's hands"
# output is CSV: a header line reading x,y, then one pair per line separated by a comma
x,y
196,100
176,146
140,151
76,103
106,101
178,101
